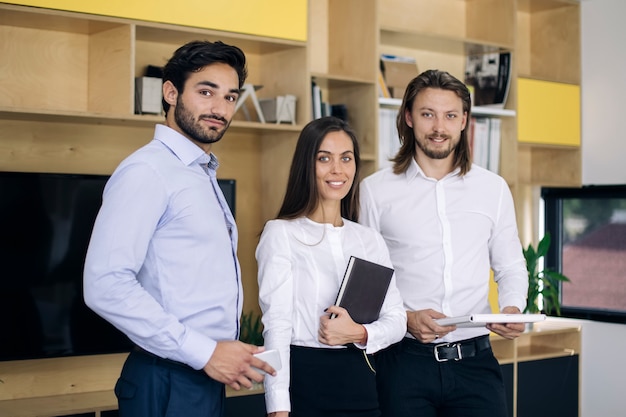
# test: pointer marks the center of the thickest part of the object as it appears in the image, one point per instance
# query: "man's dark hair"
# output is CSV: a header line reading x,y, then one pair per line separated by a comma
x,y
431,79
196,55
302,195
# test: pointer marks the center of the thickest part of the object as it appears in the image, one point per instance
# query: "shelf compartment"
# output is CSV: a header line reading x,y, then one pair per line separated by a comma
x,y
358,97
442,44
549,166
55,61
549,40
275,64
547,340
338,29
134,120
476,110
534,353
479,22
503,349
440,35
358,94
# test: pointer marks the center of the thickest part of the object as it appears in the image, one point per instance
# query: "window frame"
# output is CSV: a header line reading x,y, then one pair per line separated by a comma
x,y
553,198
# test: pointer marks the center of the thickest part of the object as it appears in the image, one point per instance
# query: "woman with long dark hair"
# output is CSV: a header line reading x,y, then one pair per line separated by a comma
x,y
302,255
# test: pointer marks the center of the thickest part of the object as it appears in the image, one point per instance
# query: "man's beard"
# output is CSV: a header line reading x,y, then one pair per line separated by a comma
x,y
436,153
187,123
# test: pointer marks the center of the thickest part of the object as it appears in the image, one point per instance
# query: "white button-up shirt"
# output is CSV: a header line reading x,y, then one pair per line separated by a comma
x,y
301,266
444,236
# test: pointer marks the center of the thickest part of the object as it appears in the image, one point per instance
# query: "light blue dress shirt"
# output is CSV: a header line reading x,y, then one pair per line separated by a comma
x,y
162,264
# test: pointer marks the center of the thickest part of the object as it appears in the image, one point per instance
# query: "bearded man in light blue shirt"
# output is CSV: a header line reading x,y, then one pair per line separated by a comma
x,y
162,264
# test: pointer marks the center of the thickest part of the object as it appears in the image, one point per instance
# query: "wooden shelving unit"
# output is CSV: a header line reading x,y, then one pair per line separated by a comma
x,y
66,105
343,59
67,386
440,35
476,110
544,39
548,49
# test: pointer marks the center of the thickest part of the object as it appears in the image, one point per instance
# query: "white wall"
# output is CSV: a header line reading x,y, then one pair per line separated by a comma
x,y
603,92
603,368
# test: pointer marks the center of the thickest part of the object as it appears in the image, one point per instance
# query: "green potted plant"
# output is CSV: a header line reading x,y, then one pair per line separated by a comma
x,y
543,285
251,330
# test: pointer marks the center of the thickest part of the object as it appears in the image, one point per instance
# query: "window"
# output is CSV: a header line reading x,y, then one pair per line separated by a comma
x,y
588,228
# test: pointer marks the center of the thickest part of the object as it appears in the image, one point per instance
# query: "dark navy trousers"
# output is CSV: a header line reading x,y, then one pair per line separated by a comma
x,y
153,387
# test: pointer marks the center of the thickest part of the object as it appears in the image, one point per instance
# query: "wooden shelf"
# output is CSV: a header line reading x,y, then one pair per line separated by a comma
x,y
544,39
545,340
438,43
58,405
342,45
447,24
79,403
476,110
533,353
338,81
548,40
177,35
503,349
67,105
8,113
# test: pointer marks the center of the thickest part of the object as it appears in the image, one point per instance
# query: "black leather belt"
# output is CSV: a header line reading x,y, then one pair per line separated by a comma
x,y
161,360
444,352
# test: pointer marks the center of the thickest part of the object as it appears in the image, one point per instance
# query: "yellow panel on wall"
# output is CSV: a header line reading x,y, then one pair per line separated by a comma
x,y
548,112
493,294
286,19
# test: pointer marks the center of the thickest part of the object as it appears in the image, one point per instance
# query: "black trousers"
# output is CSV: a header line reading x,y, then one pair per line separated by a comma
x,y
412,383
154,387
332,383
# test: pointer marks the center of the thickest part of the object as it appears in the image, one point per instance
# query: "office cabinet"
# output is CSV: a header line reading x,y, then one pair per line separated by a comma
x,y
541,370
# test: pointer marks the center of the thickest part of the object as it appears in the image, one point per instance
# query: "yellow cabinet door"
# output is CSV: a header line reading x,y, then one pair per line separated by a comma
x,y
285,19
548,113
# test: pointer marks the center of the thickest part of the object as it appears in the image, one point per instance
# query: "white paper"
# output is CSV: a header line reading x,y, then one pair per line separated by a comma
x,y
480,320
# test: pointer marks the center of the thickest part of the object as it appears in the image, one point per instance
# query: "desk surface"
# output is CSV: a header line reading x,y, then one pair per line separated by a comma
x,y
87,402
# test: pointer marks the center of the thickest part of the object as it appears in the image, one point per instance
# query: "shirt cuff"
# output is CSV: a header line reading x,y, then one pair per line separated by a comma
x,y
197,350
277,400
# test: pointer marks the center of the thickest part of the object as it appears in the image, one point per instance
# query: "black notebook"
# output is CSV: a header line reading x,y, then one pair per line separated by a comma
x,y
363,289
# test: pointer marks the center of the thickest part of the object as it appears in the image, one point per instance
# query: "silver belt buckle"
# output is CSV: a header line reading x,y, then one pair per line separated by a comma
x,y
458,350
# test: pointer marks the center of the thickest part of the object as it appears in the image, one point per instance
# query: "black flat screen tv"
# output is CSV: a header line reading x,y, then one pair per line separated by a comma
x,y
46,222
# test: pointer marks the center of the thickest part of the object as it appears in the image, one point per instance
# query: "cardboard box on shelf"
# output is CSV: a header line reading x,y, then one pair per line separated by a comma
x,y
398,71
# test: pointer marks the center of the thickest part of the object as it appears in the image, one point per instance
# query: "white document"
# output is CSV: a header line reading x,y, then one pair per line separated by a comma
x,y
480,320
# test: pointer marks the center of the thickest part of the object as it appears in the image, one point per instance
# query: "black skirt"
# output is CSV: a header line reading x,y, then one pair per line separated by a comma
x,y
332,383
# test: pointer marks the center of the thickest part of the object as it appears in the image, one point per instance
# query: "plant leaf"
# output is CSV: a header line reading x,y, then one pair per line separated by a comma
x,y
555,276
544,245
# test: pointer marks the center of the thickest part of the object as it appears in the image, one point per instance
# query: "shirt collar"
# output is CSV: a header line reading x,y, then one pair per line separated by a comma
x,y
414,170
187,151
